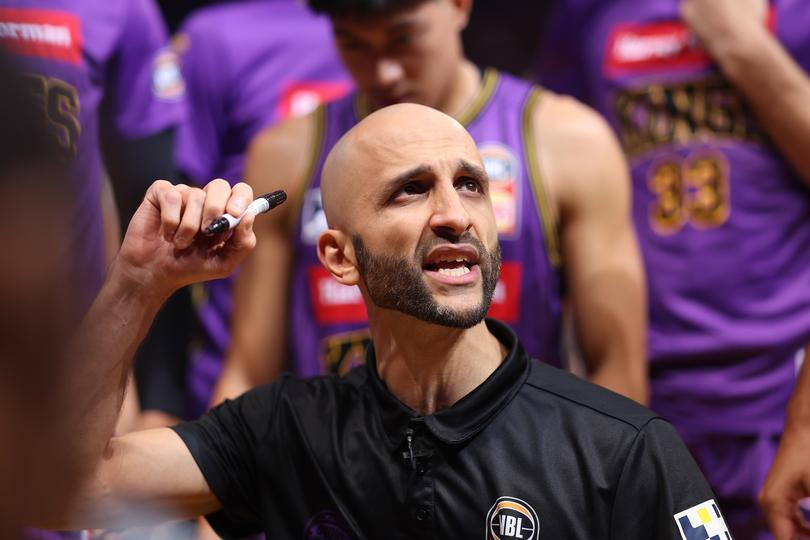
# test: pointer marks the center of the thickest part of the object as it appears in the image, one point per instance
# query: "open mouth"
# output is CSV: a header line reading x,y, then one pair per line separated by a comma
x,y
454,268
452,261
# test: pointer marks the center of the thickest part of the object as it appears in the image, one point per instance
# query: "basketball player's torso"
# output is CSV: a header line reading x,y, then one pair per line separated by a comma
x,y
710,191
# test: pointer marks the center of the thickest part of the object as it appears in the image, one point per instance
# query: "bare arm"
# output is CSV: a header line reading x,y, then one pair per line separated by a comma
x,y
589,185
278,158
160,253
789,477
774,85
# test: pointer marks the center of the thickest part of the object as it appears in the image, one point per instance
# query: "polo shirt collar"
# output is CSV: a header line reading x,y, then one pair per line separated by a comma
x,y
471,413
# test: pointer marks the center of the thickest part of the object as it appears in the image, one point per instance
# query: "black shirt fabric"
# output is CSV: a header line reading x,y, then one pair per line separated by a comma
x,y
532,453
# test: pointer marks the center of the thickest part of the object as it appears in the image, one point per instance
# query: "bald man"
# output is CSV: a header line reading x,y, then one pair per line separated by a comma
x,y
447,430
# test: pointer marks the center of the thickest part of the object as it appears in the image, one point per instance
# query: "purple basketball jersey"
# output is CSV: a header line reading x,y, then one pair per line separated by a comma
x,y
722,219
97,66
247,64
328,320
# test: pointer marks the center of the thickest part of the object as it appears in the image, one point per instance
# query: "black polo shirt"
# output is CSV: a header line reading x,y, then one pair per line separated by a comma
x,y
532,453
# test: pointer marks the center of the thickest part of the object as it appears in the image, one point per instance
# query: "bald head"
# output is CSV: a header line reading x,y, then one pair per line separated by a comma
x,y
398,137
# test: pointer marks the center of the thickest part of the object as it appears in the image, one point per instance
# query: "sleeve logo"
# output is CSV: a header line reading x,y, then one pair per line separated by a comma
x,y
511,518
702,522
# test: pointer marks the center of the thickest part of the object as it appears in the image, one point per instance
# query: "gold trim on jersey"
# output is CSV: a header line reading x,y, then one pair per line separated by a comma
x,y
319,117
489,82
547,219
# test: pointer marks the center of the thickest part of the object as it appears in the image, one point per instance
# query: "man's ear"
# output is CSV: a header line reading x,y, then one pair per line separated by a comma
x,y
336,253
463,9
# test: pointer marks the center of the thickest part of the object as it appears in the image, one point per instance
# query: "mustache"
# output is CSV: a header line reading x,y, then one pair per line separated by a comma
x,y
464,238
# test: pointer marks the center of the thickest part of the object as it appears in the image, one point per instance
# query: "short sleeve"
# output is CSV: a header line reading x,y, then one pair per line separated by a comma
x,y
225,444
198,151
661,493
144,87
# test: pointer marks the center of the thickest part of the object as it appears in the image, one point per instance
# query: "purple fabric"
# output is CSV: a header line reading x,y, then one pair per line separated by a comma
x,y
722,220
729,284
328,320
99,74
247,65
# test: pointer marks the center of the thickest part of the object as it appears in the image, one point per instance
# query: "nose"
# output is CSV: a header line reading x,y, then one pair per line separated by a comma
x,y
389,72
450,216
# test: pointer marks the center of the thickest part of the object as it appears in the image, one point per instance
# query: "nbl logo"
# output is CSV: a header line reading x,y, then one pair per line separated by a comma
x,y
511,518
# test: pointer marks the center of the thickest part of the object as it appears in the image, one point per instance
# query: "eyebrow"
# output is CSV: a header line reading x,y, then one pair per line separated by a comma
x,y
463,167
471,169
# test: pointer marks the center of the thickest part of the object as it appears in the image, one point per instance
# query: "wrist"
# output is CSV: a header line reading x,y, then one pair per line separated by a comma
x,y
131,283
740,53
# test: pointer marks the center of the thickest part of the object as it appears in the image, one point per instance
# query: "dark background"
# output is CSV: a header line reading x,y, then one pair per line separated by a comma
x,y
501,33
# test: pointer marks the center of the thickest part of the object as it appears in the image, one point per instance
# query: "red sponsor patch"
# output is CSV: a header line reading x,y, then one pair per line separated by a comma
x,y
506,300
301,98
41,33
658,45
333,302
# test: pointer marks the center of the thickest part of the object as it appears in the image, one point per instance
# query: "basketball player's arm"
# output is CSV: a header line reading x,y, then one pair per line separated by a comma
x,y
789,477
774,85
149,476
278,158
589,186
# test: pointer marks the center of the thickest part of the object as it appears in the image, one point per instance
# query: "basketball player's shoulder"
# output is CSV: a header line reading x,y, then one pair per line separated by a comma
x,y
585,401
280,155
569,121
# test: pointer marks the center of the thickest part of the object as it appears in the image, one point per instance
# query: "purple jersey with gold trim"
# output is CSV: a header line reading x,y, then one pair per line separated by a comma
x,y
723,220
98,67
328,320
247,65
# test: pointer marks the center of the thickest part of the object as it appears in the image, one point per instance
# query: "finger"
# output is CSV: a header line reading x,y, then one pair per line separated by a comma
x,y
241,197
169,201
244,239
217,193
191,218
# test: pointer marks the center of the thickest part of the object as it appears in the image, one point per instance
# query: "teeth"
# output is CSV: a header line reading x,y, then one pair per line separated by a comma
x,y
454,272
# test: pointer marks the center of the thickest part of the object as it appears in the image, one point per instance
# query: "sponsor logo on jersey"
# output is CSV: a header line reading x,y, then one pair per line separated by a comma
x,y
702,522
506,298
301,98
657,45
334,302
511,518
502,167
41,33
167,79
344,351
313,218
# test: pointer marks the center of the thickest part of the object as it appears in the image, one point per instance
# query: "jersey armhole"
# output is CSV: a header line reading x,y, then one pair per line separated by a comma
x,y
547,219
319,134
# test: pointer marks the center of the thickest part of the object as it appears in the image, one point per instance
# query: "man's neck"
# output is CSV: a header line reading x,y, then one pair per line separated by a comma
x,y
461,91
430,367
465,86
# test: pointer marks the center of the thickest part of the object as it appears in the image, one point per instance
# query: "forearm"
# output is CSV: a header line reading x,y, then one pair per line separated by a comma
x,y
101,360
776,88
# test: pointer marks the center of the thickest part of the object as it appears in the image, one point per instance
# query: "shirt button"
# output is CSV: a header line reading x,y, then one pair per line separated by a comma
x,y
422,513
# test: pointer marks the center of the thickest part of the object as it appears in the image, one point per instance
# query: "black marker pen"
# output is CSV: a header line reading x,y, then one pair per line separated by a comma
x,y
263,204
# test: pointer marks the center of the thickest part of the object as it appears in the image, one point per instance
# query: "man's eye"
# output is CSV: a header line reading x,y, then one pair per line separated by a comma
x,y
468,184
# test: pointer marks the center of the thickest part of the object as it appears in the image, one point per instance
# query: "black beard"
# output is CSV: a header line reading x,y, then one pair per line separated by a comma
x,y
397,283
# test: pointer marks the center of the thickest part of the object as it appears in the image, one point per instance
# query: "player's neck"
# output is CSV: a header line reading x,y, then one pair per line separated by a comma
x,y
430,367
463,89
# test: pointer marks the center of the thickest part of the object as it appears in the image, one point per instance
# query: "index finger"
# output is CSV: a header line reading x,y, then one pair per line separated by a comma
x,y
241,197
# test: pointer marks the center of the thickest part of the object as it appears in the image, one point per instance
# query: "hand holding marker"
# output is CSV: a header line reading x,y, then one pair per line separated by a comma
x,y
263,204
